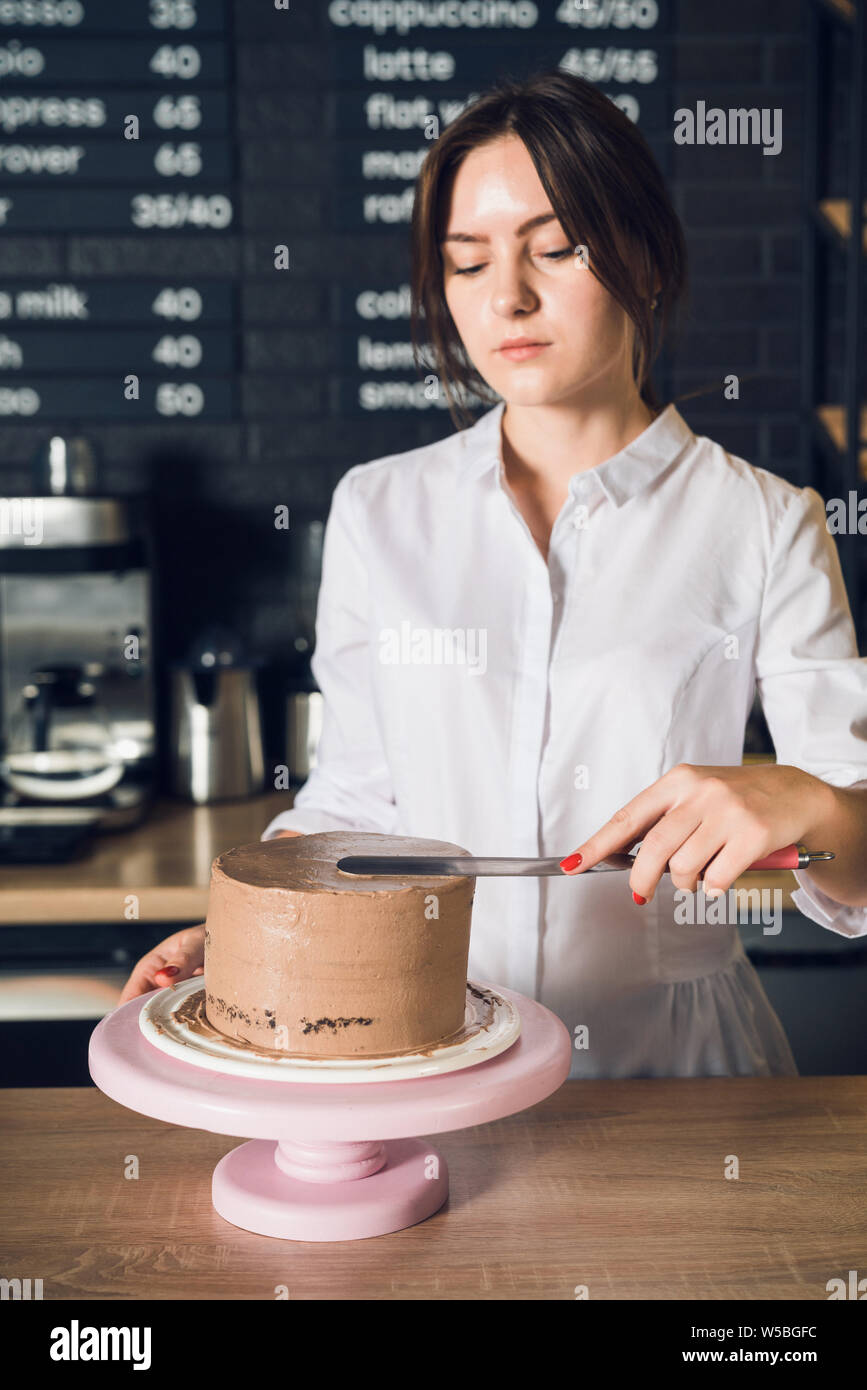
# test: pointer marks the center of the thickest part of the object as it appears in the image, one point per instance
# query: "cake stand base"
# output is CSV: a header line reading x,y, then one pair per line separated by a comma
x,y
250,1191
338,1161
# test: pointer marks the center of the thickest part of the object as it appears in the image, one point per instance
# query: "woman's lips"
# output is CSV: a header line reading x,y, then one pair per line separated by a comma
x,y
519,354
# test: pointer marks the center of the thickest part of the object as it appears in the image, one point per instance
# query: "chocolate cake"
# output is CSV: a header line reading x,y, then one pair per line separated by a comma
x,y
305,960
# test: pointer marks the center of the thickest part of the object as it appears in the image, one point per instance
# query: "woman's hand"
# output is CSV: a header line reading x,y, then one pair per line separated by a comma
x,y
712,823
177,958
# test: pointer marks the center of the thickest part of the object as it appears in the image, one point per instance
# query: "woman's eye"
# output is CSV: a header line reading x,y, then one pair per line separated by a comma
x,y
544,255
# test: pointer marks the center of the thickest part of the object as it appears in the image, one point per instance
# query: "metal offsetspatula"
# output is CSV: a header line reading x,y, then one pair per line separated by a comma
x,y
465,865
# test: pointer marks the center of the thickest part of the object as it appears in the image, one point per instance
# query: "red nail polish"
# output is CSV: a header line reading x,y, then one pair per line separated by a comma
x,y
570,862
638,898
168,970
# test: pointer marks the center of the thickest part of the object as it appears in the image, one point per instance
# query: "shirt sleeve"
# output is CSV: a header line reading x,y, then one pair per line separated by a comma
x,y
811,681
350,786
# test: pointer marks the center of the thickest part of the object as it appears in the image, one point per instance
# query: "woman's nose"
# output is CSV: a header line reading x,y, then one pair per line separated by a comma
x,y
512,292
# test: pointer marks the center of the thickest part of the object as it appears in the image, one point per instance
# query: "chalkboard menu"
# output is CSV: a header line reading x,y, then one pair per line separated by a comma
x,y
116,117
119,118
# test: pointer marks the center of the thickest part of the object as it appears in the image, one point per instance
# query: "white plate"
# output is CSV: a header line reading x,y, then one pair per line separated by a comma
x,y
491,1024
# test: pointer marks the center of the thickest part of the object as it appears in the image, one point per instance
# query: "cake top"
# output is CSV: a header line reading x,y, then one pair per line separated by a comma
x,y
308,863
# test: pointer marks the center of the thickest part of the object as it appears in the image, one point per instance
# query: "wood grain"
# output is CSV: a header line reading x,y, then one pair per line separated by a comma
x,y
833,418
165,863
616,1185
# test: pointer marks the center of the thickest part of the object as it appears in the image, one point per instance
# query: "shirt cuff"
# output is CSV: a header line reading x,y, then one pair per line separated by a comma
x,y
819,907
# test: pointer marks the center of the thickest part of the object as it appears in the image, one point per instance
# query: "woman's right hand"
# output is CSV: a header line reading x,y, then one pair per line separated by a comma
x,y
177,958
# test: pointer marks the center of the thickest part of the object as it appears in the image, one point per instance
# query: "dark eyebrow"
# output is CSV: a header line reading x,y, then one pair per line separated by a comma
x,y
527,226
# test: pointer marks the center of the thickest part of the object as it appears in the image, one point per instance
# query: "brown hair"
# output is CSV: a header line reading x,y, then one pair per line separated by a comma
x,y
607,191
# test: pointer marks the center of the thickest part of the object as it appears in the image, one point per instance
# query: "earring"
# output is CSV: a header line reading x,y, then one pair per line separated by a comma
x,y
653,303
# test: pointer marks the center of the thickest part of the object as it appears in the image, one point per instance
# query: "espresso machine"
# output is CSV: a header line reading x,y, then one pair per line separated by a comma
x,y
77,703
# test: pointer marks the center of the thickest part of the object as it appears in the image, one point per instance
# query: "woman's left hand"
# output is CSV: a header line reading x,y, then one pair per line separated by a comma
x,y
710,823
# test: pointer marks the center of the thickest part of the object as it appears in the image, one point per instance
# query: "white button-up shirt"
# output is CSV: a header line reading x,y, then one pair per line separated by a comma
x,y
474,692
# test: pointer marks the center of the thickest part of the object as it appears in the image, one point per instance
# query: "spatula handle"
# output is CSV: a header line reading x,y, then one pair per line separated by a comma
x,y
790,857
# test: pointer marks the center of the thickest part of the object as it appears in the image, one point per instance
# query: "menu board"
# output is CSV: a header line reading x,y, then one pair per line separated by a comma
x,y
116,118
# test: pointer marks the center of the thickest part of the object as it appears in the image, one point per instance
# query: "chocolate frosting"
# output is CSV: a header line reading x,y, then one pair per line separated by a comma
x,y
302,958
311,860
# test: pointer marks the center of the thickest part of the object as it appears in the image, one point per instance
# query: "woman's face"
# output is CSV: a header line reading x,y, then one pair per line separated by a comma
x,y
510,272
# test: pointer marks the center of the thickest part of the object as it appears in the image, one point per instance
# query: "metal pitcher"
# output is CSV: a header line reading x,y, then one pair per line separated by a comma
x,y
216,734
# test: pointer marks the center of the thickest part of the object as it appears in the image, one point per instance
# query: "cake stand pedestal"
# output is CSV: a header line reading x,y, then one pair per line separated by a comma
x,y
329,1161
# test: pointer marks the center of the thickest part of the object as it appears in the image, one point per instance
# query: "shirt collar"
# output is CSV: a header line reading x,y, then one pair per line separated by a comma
x,y
620,477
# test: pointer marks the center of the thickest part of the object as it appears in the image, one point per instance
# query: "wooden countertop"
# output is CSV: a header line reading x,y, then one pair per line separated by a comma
x,y
165,863
617,1185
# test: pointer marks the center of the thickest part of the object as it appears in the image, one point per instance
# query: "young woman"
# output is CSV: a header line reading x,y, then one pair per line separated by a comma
x,y
543,633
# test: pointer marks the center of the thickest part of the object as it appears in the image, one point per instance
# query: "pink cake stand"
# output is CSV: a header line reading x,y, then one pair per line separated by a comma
x,y
332,1161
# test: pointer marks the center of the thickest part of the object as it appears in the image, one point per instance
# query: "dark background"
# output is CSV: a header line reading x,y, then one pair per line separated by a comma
x,y
294,423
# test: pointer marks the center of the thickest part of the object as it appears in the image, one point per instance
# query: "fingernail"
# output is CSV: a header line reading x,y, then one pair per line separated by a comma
x,y
714,892
570,862
168,970
638,898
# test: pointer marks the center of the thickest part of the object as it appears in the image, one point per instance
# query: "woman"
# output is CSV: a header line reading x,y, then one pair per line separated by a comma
x,y
545,631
